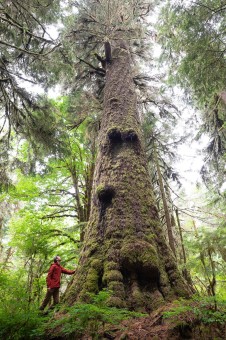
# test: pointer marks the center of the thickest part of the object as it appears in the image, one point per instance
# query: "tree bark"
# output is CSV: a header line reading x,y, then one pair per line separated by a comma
x,y
124,248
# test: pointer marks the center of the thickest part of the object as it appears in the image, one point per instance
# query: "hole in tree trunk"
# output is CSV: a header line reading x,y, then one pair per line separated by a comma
x,y
114,136
130,136
185,331
100,281
105,195
131,139
145,275
140,284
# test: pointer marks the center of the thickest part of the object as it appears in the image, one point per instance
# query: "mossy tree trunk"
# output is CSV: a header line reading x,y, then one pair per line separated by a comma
x,y
124,248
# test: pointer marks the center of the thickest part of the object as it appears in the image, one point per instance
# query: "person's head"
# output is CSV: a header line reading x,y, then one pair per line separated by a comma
x,y
57,259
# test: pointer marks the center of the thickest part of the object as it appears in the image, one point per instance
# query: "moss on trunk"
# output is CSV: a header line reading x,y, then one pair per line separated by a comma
x,y
124,248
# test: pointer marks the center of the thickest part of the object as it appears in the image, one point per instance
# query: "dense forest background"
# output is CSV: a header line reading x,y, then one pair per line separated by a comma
x,y
52,77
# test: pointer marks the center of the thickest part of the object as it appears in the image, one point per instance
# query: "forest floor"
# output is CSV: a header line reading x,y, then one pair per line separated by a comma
x,y
155,327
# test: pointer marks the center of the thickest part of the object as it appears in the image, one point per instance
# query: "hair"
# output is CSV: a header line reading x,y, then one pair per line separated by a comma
x,y
55,258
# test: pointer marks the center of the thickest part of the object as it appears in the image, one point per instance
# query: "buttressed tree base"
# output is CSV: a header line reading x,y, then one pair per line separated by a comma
x,y
124,248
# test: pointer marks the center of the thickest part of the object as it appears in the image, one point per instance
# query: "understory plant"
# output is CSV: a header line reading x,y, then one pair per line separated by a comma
x,y
18,315
90,318
199,309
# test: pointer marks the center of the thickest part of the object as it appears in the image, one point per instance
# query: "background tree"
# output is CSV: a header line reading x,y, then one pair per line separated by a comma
x,y
25,43
161,144
192,35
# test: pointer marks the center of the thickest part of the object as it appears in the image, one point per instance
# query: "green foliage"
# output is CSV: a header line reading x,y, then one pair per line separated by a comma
x,y
18,317
21,320
90,317
206,258
206,310
29,235
192,35
46,209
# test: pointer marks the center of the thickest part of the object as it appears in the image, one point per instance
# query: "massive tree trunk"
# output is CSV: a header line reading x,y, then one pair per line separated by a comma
x,y
124,248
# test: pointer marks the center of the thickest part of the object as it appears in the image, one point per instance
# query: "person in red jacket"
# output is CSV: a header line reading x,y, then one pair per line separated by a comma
x,y
53,282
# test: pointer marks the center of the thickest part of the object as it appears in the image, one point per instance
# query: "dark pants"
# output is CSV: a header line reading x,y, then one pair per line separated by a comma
x,y
53,292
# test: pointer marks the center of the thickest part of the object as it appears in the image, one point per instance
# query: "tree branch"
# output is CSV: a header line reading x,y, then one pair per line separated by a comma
x,y
29,52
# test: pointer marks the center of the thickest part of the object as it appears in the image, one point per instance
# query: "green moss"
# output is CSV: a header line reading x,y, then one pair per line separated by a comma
x,y
85,296
112,275
91,284
150,237
112,244
116,302
153,300
92,248
111,265
138,297
180,288
157,228
96,264
130,130
113,129
117,288
139,251
99,189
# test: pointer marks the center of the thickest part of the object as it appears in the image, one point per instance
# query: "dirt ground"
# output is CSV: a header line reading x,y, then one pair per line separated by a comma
x,y
154,327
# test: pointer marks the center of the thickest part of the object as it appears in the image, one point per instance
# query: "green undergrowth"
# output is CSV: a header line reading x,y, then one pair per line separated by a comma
x,y
21,320
20,324
89,318
18,316
199,309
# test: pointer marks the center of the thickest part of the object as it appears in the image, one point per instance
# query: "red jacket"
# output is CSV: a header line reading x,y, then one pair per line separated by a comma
x,y
54,274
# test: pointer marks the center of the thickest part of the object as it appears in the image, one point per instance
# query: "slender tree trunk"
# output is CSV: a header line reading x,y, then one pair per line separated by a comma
x,y
79,206
181,237
88,185
212,281
185,271
124,248
165,205
83,205
1,236
7,260
195,228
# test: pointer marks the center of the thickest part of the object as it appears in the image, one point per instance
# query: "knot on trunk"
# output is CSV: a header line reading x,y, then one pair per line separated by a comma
x,y
114,103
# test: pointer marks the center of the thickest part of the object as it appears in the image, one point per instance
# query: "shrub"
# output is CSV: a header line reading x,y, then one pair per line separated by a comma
x,y
205,310
90,317
18,317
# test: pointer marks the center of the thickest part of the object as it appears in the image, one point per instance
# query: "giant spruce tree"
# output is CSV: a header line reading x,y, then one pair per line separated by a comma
x,y
124,248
